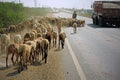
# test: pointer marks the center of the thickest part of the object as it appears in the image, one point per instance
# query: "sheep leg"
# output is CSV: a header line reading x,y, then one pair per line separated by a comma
x,y
59,44
12,59
7,60
62,43
50,45
45,56
55,42
42,54
17,56
20,68
33,56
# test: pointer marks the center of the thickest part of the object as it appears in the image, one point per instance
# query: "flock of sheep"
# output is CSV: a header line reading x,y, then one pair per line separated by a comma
x,y
42,36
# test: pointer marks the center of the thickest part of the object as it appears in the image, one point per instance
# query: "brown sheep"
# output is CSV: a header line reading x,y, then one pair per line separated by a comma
x,y
62,37
33,36
54,38
43,47
59,27
48,36
27,37
33,54
39,35
12,28
25,53
12,49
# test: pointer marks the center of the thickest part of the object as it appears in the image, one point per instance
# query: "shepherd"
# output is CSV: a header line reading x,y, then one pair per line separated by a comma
x,y
74,16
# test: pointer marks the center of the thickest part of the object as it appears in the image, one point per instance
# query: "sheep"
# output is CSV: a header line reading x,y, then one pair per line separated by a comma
x,y
12,28
59,27
5,40
54,37
12,49
82,23
62,37
43,46
38,30
43,30
33,44
25,53
74,27
48,36
39,35
33,35
39,46
46,47
4,30
17,39
35,32
27,37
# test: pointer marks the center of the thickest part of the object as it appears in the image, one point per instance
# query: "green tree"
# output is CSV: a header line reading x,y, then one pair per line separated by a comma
x,y
10,13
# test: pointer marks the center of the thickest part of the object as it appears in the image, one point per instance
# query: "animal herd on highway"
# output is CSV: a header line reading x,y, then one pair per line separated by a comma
x,y
44,33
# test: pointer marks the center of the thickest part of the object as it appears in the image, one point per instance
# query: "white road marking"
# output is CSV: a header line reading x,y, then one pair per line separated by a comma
x,y
77,65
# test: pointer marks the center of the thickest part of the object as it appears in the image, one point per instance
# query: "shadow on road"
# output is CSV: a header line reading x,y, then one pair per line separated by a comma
x,y
97,26
12,73
38,63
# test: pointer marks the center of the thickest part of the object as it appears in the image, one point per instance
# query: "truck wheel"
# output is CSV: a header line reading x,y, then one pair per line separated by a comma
x,y
100,22
96,21
93,21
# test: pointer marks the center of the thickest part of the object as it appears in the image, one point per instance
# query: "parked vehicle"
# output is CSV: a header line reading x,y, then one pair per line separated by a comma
x,y
106,13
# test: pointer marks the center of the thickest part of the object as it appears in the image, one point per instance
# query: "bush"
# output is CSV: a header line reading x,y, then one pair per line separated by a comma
x,y
10,13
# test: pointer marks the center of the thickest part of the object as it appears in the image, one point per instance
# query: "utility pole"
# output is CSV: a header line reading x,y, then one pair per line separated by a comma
x,y
35,3
19,1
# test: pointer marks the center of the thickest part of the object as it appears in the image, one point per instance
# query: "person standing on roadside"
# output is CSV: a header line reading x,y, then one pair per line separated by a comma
x,y
74,16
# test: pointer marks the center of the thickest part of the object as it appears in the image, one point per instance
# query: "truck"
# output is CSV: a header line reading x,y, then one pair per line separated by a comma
x,y
106,13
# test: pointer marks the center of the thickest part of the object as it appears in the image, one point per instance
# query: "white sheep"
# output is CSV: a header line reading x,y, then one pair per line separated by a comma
x,y
17,39
74,27
5,41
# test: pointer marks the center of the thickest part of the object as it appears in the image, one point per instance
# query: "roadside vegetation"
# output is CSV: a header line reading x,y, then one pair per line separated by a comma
x,y
10,13
14,13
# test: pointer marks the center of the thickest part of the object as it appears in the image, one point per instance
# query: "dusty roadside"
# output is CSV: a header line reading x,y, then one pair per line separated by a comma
x,y
39,71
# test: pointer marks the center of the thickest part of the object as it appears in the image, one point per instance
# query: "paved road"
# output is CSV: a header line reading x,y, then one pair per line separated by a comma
x,y
97,50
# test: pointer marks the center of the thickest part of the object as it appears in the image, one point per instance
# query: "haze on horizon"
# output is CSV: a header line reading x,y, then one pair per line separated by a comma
x,y
77,4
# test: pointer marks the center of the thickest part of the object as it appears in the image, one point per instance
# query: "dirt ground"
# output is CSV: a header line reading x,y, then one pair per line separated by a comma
x,y
39,71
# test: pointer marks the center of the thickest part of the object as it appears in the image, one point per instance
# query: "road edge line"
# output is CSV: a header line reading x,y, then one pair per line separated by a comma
x,y
77,65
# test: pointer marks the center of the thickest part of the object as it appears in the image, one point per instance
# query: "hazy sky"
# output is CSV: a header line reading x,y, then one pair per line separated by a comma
x,y
86,4
60,3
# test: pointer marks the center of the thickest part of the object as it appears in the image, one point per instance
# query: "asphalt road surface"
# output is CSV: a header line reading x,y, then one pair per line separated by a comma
x,y
95,49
